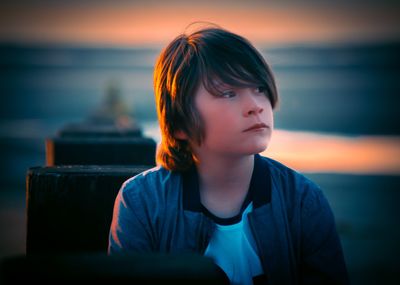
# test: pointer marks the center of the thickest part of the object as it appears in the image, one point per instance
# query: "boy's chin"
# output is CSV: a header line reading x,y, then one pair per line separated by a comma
x,y
257,149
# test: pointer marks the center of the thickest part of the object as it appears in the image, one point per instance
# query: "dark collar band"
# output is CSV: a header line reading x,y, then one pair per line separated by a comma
x,y
259,191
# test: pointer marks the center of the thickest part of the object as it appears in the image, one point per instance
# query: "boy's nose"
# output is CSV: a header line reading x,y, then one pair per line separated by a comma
x,y
252,107
254,111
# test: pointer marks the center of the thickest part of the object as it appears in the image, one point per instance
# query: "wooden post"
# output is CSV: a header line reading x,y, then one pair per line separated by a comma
x,y
69,208
96,144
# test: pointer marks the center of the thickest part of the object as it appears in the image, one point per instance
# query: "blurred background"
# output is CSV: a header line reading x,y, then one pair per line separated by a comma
x,y
337,68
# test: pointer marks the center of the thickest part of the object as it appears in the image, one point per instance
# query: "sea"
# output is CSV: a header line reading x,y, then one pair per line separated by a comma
x,y
344,89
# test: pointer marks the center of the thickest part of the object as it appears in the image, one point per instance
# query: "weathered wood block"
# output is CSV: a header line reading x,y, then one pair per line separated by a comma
x,y
69,208
101,150
101,143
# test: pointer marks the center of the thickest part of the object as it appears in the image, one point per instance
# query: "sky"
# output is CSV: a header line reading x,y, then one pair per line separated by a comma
x,y
153,22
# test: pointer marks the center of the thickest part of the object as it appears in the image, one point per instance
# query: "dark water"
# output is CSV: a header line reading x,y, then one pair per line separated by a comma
x,y
345,89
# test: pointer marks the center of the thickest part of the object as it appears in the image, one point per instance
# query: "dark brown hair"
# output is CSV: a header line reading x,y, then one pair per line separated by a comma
x,y
209,56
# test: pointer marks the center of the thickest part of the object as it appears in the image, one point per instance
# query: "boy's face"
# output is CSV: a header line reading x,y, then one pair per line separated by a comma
x,y
239,122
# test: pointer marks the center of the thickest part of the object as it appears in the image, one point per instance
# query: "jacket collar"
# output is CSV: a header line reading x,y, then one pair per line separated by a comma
x,y
259,191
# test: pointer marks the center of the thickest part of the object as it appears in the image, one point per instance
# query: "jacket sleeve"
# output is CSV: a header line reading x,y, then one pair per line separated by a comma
x,y
322,259
129,231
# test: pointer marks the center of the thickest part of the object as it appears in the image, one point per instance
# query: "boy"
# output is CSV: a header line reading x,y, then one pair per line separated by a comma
x,y
213,193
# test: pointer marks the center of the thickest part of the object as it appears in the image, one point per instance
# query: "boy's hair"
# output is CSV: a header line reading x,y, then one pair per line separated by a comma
x,y
209,56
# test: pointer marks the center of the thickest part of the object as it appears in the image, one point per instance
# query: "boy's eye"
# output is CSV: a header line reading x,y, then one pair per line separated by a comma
x,y
261,89
228,94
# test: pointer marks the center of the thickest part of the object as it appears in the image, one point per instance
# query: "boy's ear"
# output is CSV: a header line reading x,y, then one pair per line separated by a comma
x,y
180,135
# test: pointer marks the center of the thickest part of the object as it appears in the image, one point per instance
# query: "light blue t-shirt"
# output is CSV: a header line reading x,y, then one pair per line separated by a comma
x,y
233,249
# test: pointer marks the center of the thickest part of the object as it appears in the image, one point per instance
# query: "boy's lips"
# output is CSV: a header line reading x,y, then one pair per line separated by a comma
x,y
258,126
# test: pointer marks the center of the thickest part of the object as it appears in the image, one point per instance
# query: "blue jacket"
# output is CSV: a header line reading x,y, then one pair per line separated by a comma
x,y
292,222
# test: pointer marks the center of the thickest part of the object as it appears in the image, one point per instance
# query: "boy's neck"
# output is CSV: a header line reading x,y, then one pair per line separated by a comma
x,y
224,183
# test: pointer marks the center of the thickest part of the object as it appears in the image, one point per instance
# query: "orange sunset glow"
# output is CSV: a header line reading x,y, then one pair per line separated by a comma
x,y
310,152
152,22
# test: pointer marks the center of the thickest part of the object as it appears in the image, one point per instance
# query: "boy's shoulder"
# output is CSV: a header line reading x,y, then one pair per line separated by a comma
x,y
149,182
148,175
287,177
295,188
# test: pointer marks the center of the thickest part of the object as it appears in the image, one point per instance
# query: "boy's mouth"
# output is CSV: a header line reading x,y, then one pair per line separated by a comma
x,y
258,126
